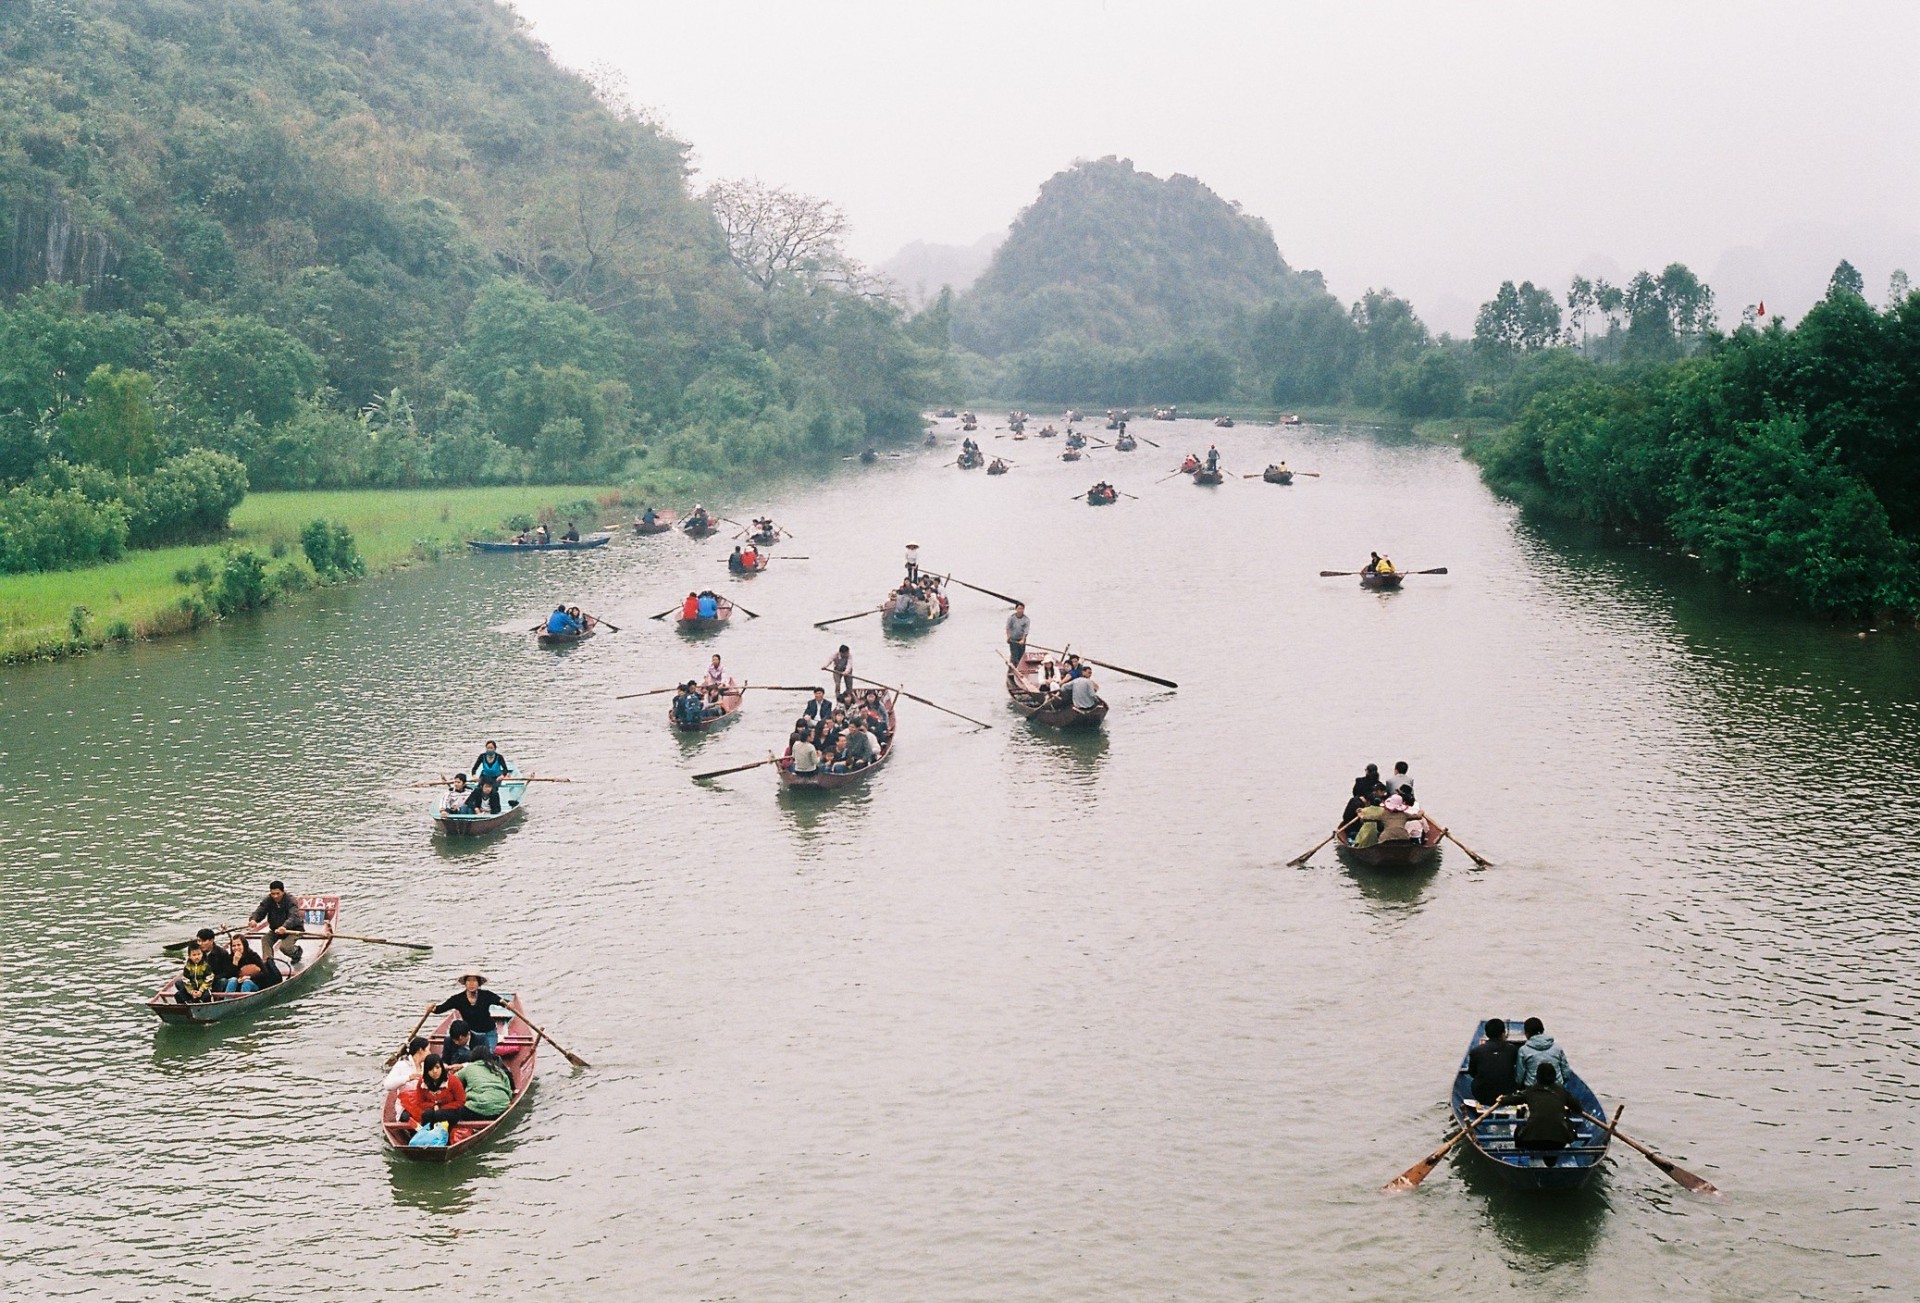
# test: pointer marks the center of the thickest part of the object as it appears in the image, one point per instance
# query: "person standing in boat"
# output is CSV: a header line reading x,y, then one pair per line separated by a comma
x,y
717,676
841,666
489,763
1492,1063
913,556
1213,458
474,1005
1018,626
285,925
1539,1049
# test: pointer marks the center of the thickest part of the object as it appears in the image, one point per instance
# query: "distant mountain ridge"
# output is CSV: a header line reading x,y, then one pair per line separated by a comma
x,y
1112,256
922,269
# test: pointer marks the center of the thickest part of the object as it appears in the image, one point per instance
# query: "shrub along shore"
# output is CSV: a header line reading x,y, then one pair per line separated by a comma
x,y
264,558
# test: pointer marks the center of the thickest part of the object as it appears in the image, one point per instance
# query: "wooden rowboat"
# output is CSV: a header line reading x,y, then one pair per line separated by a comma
x,y
546,639
1205,476
698,624
868,457
1125,443
517,1047
321,915
1027,697
822,781
1402,854
971,460
1224,422
729,711
700,527
1386,583
1274,475
557,545
1072,454
997,467
760,562
1095,498
662,522
1531,1169
513,805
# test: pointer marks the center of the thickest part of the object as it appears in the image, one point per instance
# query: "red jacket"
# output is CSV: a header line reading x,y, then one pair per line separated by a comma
x,y
690,609
417,1098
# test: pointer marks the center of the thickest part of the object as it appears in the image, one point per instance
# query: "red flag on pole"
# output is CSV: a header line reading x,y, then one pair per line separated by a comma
x,y
1763,309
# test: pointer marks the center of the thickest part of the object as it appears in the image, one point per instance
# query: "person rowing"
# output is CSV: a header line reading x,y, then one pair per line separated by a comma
x,y
649,517
282,922
1213,458
561,624
490,763
474,1005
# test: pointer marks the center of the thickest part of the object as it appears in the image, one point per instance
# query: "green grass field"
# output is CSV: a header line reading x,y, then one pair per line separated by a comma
x,y
139,595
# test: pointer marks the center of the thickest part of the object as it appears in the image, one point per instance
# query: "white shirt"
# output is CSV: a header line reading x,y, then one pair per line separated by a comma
x,y
401,1073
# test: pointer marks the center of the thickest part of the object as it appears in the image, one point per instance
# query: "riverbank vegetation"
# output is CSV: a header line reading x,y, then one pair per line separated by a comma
x,y
281,543
387,244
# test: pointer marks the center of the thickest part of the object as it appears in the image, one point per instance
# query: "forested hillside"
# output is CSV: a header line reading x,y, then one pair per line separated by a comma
x,y
1117,283
385,242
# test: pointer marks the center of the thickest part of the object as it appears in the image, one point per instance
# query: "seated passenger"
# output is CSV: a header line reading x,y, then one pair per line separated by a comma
x,y
436,1097
562,623
572,535
688,709
649,517
487,795
1491,1063
1385,567
1364,785
247,967
1539,1049
1371,815
737,563
1085,693
805,755
459,1044
195,983
709,606
690,609
1550,1113
407,1066
860,748
456,796
489,1085
751,558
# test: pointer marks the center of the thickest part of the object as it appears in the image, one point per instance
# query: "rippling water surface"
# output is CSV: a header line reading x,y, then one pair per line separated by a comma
x,y
1027,1017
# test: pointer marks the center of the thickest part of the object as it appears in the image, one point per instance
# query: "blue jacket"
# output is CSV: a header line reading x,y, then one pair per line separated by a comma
x,y
561,622
1537,1050
708,608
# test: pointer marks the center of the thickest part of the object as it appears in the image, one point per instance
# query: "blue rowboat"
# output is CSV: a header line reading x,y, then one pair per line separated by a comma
x,y
557,545
1531,1169
513,804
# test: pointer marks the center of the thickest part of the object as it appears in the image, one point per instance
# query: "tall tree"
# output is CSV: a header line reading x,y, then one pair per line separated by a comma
x,y
1846,279
780,239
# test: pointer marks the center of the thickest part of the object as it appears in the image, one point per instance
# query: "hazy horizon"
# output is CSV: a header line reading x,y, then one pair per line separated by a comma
x,y
1434,152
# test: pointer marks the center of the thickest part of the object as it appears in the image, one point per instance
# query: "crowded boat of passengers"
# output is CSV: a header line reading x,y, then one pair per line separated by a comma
x,y
704,704
281,941
700,523
764,532
1059,691
445,1092
1525,1110
832,739
1102,494
997,466
970,455
1383,822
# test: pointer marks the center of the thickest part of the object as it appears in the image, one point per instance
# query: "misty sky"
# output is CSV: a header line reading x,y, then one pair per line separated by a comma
x,y
1434,148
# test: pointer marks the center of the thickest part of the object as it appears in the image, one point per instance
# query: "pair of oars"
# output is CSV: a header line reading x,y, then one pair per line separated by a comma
x,y
1420,1171
175,947
1122,492
1447,833
1013,601
755,615
757,687
538,1030
611,626
1337,574
1257,474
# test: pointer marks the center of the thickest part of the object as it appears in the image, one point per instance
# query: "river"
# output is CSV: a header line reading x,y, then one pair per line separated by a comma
x,y
1026,1017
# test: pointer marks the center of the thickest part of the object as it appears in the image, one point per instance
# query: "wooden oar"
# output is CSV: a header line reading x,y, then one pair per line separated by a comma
x,y
1164,478
1336,574
650,692
821,624
572,1058
752,615
1143,439
1304,856
1117,669
1123,493
737,769
378,941
1011,601
1420,1171
922,700
664,614
175,947
611,626
1697,1184
395,1056
516,778
1472,854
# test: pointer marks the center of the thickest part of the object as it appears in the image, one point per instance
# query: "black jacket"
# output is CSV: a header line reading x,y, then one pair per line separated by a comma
x,y
1546,1127
1491,1064
475,1014
286,914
